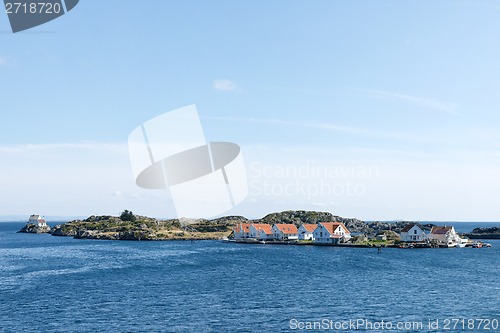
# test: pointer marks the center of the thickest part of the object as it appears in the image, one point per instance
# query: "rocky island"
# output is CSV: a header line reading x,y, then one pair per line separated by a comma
x,y
484,233
129,226
35,229
134,227
36,225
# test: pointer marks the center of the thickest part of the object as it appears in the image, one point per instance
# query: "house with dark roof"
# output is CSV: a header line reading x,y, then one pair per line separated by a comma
x,y
445,236
413,233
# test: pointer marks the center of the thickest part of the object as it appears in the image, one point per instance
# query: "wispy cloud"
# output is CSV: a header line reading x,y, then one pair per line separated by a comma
x,y
424,102
270,121
120,194
325,126
399,136
224,85
3,61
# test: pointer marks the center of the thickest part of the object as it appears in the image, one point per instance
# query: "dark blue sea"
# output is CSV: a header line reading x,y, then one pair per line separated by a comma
x,y
59,284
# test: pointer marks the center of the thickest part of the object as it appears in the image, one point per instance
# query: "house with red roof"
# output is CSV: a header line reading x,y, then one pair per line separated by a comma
x,y
242,230
285,232
413,233
261,231
306,231
37,220
331,233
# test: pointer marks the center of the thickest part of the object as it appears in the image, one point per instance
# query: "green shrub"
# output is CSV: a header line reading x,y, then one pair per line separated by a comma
x,y
127,215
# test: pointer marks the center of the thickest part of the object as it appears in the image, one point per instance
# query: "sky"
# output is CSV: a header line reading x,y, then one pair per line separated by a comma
x,y
379,110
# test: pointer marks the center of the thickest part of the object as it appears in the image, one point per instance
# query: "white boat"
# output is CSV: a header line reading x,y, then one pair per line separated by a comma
x,y
463,242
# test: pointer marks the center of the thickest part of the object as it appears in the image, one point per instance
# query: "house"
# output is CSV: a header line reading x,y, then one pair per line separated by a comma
x,y
241,231
37,220
331,233
261,231
285,232
413,233
444,236
306,231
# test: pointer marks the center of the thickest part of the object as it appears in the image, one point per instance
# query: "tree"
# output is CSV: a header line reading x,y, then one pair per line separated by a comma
x,y
127,215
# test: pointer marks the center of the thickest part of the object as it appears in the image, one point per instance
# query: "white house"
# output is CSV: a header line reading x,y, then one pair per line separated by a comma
x,y
445,236
37,220
241,231
261,231
413,233
306,231
331,233
285,232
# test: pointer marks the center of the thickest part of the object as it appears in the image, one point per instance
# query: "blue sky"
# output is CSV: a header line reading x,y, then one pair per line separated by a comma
x,y
406,92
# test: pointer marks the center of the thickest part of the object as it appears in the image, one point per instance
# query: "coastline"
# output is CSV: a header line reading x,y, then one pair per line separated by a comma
x,y
141,228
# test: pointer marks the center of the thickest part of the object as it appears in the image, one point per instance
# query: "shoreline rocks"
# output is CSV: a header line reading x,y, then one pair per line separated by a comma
x,y
34,229
484,233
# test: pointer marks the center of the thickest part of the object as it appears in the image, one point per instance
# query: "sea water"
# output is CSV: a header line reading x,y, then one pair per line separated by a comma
x,y
61,284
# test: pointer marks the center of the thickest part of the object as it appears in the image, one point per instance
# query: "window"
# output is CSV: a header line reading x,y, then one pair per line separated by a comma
x,y
415,231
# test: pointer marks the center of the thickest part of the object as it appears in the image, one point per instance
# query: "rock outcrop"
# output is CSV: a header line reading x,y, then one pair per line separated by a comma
x,y
299,217
34,229
484,233
145,228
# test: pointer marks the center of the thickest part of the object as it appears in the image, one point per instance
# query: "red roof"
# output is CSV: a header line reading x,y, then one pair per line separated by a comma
x,y
332,226
287,228
310,227
263,227
242,227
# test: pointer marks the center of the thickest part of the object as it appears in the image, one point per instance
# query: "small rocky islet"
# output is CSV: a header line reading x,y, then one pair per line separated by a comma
x,y
128,226
31,228
484,233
